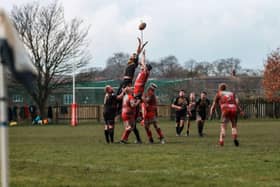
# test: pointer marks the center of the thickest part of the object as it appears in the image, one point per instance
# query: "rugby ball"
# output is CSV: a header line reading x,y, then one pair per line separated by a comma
x,y
142,26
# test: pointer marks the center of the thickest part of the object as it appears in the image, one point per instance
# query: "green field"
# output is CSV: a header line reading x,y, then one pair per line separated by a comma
x,y
61,155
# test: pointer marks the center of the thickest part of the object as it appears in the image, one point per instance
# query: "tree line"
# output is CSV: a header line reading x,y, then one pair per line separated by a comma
x,y
169,68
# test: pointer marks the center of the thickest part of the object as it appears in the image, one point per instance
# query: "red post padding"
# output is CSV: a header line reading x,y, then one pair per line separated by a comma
x,y
74,118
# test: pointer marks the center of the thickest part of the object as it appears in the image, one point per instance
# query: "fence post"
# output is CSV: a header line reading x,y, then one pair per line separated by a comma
x,y
98,113
273,110
56,113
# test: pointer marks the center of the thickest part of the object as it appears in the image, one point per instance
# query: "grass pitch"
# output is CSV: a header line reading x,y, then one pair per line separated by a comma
x,y
65,156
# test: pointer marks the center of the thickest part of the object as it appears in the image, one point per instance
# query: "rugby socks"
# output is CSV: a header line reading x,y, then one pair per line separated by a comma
x,y
177,130
111,134
234,133
106,133
149,133
125,135
222,134
234,136
136,132
181,129
236,142
200,126
188,128
159,132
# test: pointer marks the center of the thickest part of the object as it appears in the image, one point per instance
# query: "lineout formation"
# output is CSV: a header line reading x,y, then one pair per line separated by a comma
x,y
134,105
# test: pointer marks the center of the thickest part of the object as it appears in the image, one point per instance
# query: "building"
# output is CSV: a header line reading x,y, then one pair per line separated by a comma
x,y
93,92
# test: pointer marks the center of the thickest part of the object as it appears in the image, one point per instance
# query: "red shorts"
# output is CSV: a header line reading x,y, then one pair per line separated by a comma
x,y
148,121
229,113
126,117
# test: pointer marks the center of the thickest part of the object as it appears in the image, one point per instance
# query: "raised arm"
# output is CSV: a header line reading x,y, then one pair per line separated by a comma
x,y
140,46
143,59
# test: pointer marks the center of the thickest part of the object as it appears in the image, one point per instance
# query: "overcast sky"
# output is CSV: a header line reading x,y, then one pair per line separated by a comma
x,y
204,30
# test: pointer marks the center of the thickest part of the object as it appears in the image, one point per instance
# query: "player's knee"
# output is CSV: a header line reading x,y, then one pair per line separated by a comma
x,y
128,127
234,130
223,129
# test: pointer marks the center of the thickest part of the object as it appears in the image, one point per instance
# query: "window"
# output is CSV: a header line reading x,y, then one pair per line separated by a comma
x,y
67,99
52,99
17,98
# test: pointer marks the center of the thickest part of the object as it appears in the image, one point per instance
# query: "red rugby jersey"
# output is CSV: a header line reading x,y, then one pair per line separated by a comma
x,y
128,111
140,82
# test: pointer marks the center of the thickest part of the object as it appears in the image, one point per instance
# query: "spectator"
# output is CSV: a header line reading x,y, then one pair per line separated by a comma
x,y
50,114
37,120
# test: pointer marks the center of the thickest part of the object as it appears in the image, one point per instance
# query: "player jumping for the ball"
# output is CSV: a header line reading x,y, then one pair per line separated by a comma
x,y
132,64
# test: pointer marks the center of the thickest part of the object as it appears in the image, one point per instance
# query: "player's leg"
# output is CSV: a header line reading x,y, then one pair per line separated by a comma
x,y
111,130
234,129
149,132
188,126
137,134
106,132
177,125
202,121
135,130
182,124
223,130
106,127
199,125
126,132
191,117
159,132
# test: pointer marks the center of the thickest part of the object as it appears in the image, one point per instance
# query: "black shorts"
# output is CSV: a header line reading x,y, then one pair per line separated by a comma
x,y
201,116
193,116
109,122
109,119
180,117
124,84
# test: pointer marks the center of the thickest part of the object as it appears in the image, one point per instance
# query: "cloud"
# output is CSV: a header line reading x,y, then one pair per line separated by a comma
x,y
200,29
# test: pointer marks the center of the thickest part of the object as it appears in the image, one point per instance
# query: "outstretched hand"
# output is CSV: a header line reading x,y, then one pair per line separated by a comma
x,y
144,45
140,46
139,41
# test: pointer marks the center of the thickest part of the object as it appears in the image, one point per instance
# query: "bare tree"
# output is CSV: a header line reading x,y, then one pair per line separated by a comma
x,y
89,74
52,43
115,66
189,66
224,67
169,67
203,69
